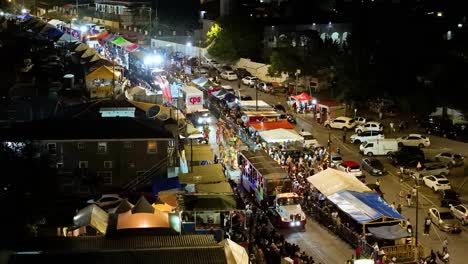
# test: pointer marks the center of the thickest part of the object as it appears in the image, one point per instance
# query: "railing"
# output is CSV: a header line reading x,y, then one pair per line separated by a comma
x,y
146,177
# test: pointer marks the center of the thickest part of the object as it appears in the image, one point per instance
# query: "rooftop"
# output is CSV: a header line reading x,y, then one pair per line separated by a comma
x,y
71,129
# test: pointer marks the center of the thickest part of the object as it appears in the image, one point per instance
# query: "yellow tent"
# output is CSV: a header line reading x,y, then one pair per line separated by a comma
x,y
88,53
103,72
96,57
82,47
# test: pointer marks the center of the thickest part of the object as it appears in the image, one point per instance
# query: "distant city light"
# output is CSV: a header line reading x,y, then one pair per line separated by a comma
x,y
1,13
440,14
460,25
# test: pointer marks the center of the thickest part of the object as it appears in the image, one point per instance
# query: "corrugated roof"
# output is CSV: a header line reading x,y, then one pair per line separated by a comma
x,y
265,164
212,255
89,244
73,129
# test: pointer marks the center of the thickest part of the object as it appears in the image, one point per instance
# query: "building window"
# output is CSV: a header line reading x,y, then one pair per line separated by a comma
x,y
52,148
128,145
80,146
83,164
152,147
131,165
108,164
106,177
102,147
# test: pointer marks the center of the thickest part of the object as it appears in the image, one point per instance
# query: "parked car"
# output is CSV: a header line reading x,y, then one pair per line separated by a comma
x,y
369,126
249,80
442,130
460,212
449,197
228,75
265,87
106,200
373,166
242,72
437,182
201,71
414,140
366,136
309,139
433,168
451,159
208,63
444,220
335,159
341,122
353,168
360,120
406,157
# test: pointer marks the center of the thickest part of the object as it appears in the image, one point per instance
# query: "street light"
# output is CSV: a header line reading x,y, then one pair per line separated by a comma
x,y
188,44
355,111
24,11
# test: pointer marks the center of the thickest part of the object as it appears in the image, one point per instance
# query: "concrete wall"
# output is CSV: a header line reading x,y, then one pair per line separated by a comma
x,y
259,70
192,50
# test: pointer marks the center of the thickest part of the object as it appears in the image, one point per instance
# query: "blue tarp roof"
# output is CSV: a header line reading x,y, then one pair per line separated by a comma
x,y
24,16
53,33
363,207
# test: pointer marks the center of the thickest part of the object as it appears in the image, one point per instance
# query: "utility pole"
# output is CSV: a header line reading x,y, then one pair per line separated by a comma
x,y
256,98
329,148
417,208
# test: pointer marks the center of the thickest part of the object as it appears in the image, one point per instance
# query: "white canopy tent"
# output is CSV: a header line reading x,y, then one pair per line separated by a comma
x,y
235,253
280,135
252,104
331,181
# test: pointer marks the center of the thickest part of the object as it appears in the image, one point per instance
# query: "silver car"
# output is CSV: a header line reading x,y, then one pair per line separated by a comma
x,y
451,159
434,168
444,220
460,212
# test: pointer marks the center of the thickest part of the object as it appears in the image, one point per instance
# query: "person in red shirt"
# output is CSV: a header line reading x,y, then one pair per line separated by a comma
x,y
358,252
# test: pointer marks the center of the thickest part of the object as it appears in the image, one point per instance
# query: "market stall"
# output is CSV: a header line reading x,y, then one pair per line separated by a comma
x,y
331,181
280,135
101,82
262,126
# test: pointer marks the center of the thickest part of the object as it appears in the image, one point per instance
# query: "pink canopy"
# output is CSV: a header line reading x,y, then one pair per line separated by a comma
x,y
302,97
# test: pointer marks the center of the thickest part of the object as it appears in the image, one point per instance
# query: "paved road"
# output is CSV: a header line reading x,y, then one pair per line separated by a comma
x,y
390,184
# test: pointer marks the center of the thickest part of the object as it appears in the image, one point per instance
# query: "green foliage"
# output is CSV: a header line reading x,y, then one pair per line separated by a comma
x,y
232,38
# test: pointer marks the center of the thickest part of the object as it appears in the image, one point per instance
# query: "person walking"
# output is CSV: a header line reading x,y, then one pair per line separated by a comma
x,y
409,227
344,136
392,128
445,245
427,225
399,209
408,199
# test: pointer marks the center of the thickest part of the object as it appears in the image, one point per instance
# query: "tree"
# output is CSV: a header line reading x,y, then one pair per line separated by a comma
x,y
233,38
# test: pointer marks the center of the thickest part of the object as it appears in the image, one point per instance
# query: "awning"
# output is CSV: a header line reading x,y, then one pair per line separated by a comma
x,y
203,174
220,187
331,181
67,38
272,125
392,232
200,152
122,42
200,81
302,97
235,253
82,47
364,207
103,35
132,47
46,28
103,72
55,22
280,135
88,53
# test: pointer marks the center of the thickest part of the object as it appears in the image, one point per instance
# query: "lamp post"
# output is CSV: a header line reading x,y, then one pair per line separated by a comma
x,y
329,148
355,111
417,208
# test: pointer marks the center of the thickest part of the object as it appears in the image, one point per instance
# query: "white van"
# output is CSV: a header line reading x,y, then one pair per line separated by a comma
x,y
378,147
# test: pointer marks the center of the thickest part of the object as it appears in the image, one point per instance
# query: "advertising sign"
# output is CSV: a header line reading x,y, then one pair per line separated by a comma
x,y
194,100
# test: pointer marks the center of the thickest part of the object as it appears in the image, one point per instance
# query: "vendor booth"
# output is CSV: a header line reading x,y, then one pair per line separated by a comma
x,y
330,109
261,126
101,82
331,181
281,135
